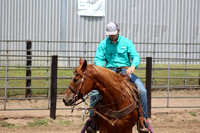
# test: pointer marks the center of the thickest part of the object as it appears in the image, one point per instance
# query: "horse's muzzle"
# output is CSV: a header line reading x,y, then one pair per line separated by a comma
x,y
69,103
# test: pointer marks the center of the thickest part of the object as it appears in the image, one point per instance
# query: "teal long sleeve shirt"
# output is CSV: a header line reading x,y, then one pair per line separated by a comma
x,y
120,54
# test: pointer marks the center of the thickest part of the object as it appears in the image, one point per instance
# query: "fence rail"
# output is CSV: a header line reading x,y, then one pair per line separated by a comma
x,y
8,55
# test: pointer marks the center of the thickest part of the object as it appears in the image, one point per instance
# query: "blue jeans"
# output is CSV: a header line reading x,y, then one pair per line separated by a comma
x,y
134,79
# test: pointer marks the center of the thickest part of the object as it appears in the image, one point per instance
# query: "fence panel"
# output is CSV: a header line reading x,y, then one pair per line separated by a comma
x,y
14,61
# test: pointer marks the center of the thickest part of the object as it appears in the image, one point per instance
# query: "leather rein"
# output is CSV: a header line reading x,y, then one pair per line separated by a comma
x,y
108,112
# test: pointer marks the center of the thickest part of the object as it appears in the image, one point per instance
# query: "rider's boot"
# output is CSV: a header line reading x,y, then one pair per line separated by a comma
x,y
147,124
87,124
93,127
142,125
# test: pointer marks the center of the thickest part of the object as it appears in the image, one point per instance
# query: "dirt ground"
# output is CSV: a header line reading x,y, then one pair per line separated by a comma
x,y
163,120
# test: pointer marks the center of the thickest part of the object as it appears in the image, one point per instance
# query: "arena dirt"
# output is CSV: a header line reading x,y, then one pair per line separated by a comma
x,y
163,120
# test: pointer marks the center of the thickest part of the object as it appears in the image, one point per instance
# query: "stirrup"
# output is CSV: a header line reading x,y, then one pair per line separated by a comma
x,y
93,125
90,130
87,124
143,130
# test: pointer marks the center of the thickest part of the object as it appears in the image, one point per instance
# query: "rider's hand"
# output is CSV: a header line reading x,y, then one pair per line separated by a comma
x,y
130,70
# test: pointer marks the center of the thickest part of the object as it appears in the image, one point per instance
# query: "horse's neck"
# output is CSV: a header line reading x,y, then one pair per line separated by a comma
x,y
108,92
112,98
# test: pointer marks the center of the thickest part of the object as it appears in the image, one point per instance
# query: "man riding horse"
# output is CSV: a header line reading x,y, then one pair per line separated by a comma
x,y
118,54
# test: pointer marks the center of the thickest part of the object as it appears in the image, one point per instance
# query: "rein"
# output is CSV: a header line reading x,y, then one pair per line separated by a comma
x,y
110,103
112,113
73,90
108,112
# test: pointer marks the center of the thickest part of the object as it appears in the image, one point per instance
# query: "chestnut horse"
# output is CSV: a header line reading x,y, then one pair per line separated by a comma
x,y
118,97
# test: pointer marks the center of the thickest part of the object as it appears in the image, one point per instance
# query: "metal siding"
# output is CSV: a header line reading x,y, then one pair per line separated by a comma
x,y
162,21
1,17
140,20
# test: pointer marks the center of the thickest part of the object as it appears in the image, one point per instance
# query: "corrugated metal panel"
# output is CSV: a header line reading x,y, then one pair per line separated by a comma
x,y
33,19
140,20
159,21
29,20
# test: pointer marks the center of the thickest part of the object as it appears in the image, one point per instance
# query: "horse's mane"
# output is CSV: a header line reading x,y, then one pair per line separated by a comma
x,y
117,82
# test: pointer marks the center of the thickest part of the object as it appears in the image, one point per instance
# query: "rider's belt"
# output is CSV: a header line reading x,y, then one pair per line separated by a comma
x,y
119,69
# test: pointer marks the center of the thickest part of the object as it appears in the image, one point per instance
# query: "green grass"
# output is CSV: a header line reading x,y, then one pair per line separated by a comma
x,y
6,124
68,123
46,122
65,82
39,122
34,82
173,73
192,113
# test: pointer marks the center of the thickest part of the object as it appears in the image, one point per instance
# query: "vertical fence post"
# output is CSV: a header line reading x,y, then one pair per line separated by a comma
x,y
6,78
168,82
49,75
28,68
47,65
53,86
199,78
154,55
186,47
148,83
69,62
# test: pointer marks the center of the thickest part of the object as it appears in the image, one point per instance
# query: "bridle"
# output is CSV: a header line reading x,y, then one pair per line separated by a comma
x,y
76,92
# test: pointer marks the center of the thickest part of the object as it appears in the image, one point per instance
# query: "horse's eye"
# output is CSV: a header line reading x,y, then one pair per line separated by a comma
x,y
75,79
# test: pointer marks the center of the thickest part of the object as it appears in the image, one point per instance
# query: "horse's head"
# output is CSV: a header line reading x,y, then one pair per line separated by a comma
x,y
79,86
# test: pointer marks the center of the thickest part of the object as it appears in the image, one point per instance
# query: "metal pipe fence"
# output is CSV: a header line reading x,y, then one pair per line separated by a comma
x,y
9,55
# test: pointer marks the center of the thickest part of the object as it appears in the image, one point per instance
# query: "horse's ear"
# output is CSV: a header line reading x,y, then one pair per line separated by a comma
x,y
84,65
80,61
